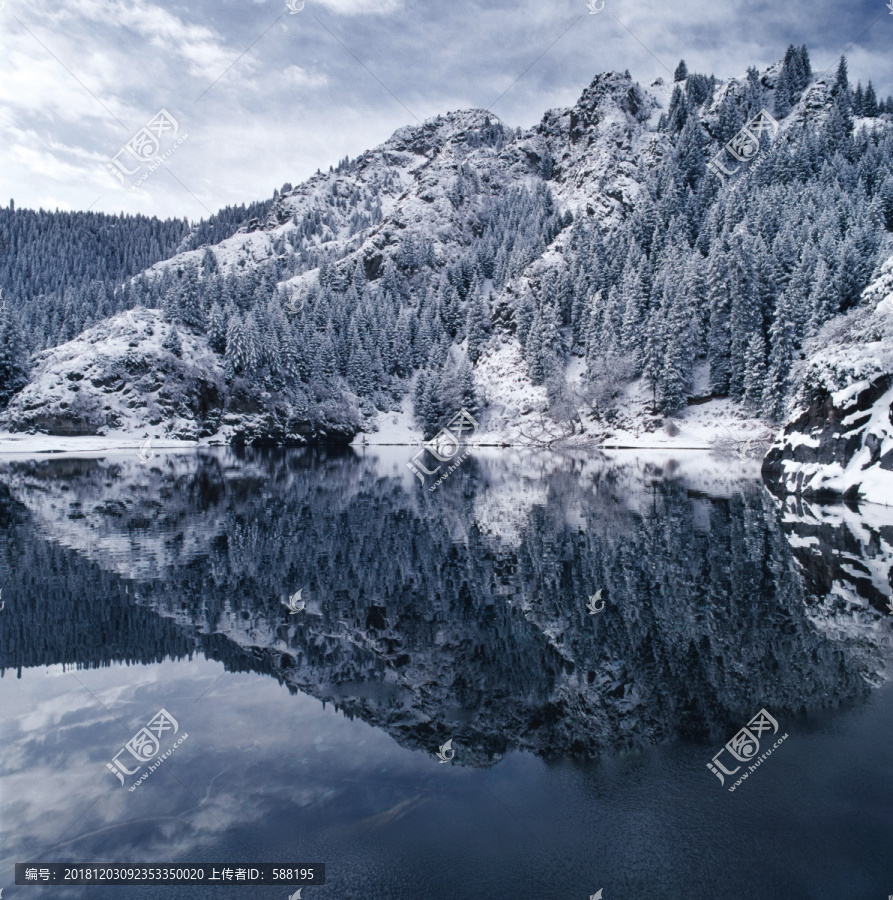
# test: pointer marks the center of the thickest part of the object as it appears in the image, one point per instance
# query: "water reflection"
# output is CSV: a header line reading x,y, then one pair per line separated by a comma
x,y
461,614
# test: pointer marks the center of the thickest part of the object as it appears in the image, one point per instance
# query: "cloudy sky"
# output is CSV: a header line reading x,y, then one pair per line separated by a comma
x,y
262,95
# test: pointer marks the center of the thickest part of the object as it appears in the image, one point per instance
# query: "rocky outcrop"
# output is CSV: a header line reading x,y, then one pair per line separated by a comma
x,y
839,439
128,376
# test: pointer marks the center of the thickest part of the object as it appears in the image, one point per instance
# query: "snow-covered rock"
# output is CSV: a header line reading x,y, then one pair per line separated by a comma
x,y
119,378
839,439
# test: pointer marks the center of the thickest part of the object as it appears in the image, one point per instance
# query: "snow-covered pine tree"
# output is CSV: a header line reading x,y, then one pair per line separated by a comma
x,y
217,329
13,362
719,328
858,100
652,354
241,352
633,300
477,324
781,340
187,303
172,342
755,371
402,344
824,298
675,366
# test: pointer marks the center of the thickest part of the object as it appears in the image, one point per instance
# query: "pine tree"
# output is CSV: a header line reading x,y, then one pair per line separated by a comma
x,y
592,332
755,370
870,104
633,300
551,344
209,262
425,403
402,344
217,329
450,309
13,362
652,356
359,364
884,203
241,349
477,323
842,81
325,362
291,360
719,329
746,315
755,93
172,343
858,100
690,152
467,396
783,94
426,333
681,72
675,366
851,275
188,304
731,118
678,111
781,339
533,349
824,299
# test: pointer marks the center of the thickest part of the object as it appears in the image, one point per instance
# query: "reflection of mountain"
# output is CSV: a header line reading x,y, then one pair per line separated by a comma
x,y
420,619
62,608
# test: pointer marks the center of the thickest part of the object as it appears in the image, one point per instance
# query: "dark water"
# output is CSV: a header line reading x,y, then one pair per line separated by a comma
x,y
581,741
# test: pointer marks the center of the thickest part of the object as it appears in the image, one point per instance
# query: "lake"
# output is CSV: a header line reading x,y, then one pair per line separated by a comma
x,y
587,631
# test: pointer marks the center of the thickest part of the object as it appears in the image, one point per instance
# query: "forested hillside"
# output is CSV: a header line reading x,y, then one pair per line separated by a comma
x,y
59,270
600,234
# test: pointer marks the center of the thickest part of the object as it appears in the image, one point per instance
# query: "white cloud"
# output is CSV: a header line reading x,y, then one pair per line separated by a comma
x,y
295,76
203,50
360,7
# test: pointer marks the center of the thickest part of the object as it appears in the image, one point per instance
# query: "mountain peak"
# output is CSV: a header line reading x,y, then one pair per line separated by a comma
x,y
432,134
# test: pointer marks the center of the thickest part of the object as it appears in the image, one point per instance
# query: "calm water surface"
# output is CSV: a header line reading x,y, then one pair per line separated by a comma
x,y
581,741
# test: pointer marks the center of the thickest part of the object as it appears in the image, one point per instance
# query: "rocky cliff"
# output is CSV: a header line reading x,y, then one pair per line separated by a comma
x,y
838,441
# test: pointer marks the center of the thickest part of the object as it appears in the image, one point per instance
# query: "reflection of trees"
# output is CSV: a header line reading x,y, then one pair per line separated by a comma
x,y
423,624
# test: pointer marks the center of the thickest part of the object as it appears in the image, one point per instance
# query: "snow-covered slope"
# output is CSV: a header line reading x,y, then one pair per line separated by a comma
x,y
597,147
424,191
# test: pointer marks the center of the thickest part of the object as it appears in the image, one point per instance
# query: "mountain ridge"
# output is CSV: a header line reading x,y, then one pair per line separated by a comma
x,y
580,264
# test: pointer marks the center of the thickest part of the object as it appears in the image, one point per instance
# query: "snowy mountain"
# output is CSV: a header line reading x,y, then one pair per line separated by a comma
x,y
590,279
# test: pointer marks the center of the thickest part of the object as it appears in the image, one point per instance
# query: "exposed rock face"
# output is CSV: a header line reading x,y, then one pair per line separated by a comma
x,y
839,439
831,446
118,377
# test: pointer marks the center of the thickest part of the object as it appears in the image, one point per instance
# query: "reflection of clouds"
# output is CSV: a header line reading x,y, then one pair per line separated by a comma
x,y
253,750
